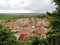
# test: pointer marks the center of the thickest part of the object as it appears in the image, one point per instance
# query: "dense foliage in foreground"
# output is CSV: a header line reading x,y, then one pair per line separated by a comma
x,y
54,18
6,37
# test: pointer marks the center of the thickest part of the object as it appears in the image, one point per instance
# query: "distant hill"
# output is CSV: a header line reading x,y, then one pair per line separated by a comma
x,y
20,15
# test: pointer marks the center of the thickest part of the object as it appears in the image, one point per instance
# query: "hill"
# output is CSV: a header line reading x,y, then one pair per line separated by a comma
x,y
20,15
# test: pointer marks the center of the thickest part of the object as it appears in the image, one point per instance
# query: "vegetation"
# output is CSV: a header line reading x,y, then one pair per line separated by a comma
x,y
38,40
16,16
6,37
34,41
54,34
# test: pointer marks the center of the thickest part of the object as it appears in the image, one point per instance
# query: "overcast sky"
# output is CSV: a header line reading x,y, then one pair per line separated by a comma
x,y
26,6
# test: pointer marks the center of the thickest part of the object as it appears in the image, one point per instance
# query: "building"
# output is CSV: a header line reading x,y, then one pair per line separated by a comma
x,y
29,27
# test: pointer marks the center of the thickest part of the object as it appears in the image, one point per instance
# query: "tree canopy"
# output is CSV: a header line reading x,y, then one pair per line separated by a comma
x,y
54,34
6,36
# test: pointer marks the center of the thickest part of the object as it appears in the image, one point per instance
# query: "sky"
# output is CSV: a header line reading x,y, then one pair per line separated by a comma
x,y
26,6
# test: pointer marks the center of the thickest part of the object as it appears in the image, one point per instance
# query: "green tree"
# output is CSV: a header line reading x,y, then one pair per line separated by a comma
x,y
54,34
57,2
38,40
6,37
1,26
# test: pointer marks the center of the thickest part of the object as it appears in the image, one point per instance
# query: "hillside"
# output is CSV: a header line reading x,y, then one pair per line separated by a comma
x,y
20,15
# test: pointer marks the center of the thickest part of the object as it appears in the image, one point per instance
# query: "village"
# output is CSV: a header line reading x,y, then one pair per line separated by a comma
x,y
25,27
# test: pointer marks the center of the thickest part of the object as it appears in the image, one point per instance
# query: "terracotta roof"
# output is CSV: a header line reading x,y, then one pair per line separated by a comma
x,y
25,32
22,36
41,32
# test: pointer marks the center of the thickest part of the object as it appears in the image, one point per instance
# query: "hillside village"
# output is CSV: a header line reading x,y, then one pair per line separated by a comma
x,y
25,27
30,22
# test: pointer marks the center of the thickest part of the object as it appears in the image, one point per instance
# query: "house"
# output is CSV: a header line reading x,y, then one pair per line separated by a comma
x,y
26,26
22,36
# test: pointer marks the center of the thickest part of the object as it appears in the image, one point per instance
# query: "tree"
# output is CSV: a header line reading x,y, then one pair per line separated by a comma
x,y
1,26
38,40
57,2
54,34
6,37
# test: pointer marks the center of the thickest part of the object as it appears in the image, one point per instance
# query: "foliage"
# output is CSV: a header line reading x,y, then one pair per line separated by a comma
x,y
38,40
54,34
6,37
16,16
57,2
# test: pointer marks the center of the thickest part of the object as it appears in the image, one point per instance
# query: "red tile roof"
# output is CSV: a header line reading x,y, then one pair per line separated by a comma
x,y
22,36
41,32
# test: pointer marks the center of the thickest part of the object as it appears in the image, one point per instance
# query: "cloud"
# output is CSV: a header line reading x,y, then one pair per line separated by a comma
x,y
26,6
15,11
